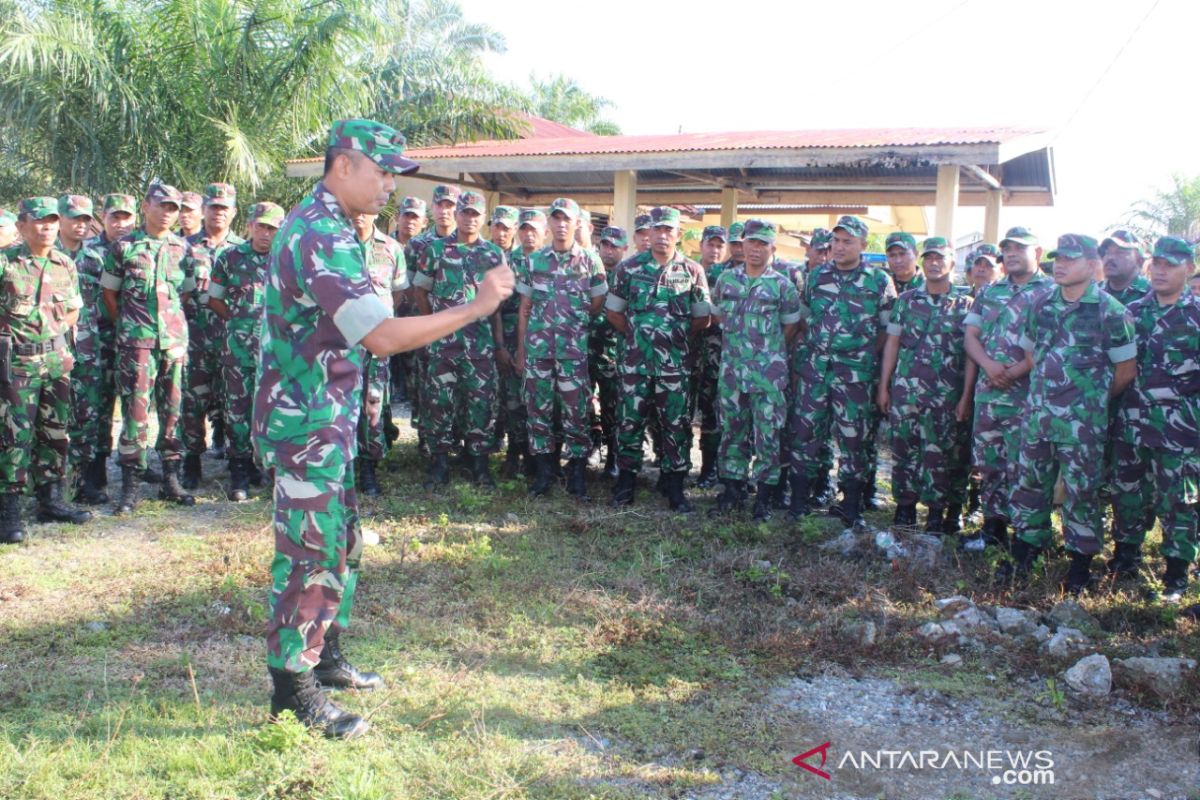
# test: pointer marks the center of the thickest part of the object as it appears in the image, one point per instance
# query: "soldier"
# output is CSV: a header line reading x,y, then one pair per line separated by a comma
x,y
584,231
531,230
8,229
191,216
39,303
759,310
604,355
984,267
204,395
389,276
816,249
235,294
706,373
561,287
642,226
462,368
1123,255
1158,425
319,307
145,276
736,256
657,300
406,378
502,231
1080,345
901,250
849,304
823,490
996,381
920,387
1194,284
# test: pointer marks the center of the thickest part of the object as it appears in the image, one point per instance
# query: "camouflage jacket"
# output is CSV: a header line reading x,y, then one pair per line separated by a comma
x,y
846,311
916,282
931,361
451,273
386,266
239,278
660,303
1161,408
1074,346
999,313
519,261
202,247
561,287
37,295
89,266
753,312
152,276
318,305
711,274
1137,289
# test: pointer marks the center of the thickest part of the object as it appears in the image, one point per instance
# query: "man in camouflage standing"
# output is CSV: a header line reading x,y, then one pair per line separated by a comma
x,y
319,307
901,250
462,368
657,300
191,214
1123,256
706,373
39,304
1081,347
235,294
823,489
759,310
920,387
503,226
531,231
146,275
604,354
8,228
204,395
561,287
642,226
405,377
849,303
1158,425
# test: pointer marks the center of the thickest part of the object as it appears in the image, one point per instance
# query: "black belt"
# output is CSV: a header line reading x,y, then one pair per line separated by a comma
x,y
39,348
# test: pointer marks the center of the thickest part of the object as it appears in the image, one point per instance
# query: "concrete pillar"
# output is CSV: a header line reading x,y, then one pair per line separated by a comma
x,y
729,206
947,201
493,200
624,199
991,216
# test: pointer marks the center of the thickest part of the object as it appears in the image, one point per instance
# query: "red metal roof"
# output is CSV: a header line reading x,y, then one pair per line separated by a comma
x,y
541,128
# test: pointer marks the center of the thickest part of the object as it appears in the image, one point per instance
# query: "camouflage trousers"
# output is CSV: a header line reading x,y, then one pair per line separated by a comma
x,y
665,396
830,408
606,383
203,393
706,393
960,465
1042,464
143,375
1150,483
997,455
372,438
460,389
238,365
514,419
94,392
35,409
752,425
418,371
558,388
318,548
870,444
924,442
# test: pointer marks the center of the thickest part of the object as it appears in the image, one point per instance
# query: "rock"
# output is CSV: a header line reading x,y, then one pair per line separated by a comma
x,y
1091,676
1163,677
952,659
843,544
1064,642
925,550
973,620
937,632
370,537
949,606
762,565
1016,622
1072,615
511,519
865,633
97,626
1040,634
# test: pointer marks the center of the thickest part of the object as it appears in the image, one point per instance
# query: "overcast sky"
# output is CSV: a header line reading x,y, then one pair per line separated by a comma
x,y
727,66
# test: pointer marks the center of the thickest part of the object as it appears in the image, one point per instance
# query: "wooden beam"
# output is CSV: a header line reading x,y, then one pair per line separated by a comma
x,y
729,206
946,201
991,216
982,175
711,196
624,198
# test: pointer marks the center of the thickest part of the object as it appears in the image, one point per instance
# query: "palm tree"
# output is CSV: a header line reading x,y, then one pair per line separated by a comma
x,y
1174,211
562,99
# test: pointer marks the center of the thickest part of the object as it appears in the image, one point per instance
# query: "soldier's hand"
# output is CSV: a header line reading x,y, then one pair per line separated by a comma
x,y
504,359
519,361
883,399
996,374
962,411
497,286
201,285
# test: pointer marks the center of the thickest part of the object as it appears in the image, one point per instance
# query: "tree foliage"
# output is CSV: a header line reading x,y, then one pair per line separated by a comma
x,y
1174,211
562,99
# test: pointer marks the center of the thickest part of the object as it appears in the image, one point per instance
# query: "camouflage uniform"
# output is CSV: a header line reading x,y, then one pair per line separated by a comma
x,y
513,418
1073,346
388,272
821,239
603,362
707,372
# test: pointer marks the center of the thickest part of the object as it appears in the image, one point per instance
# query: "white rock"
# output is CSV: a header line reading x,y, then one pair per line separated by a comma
x,y
1040,634
1015,621
926,550
949,606
1064,642
864,632
370,537
972,619
1072,615
952,659
1091,675
843,544
1161,676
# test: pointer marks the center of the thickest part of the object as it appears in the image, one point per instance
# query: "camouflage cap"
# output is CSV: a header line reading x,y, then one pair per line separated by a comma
x,y
986,250
664,217
1074,245
900,239
852,225
267,214
533,217
163,193
736,232
760,229
1126,240
714,232
220,194
642,222
504,215
471,201
1174,250
73,206
585,216
192,200
822,239
120,202
445,192
615,235
378,142
1020,235
412,205
936,244
564,205
7,218
38,207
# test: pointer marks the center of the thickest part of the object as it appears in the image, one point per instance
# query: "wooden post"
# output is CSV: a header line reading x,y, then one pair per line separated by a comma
x,y
493,200
624,198
991,216
947,200
729,206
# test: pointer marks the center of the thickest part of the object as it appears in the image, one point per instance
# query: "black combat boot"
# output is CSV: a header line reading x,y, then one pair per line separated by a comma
x,y
731,498
128,500
905,514
367,480
512,460
300,693
1020,565
171,488
801,496
148,475
610,458
993,532
100,464
239,481
1175,579
254,474
480,474
1126,560
545,474
11,531
676,499
191,471
218,439
935,520
335,672
577,478
87,484
972,499
1079,576
823,491
953,524
779,494
439,471
708,468
849,510
867,500
764,501
51,507
625,488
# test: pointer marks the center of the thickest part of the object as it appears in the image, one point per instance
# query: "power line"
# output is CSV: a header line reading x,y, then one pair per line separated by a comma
x,y
925,27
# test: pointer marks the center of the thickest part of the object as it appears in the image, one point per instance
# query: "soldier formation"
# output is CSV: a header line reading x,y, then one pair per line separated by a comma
x,y
1016,391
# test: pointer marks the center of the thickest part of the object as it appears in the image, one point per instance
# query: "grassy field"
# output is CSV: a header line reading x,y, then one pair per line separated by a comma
x,y
532,648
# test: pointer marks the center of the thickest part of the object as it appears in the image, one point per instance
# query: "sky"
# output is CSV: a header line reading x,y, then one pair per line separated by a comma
x,y
1120,128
